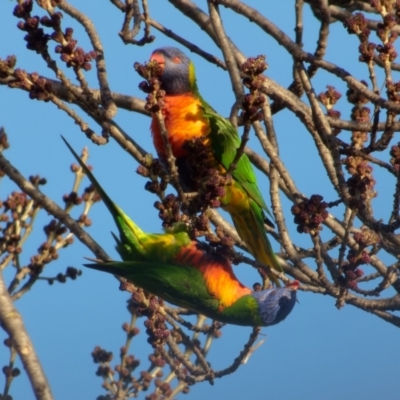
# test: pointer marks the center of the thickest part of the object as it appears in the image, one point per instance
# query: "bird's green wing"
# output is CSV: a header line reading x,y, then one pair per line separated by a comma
x,y
181,285
225,142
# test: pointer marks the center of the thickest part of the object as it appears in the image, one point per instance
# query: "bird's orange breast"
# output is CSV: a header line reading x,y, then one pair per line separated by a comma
x,y
184,120
217,272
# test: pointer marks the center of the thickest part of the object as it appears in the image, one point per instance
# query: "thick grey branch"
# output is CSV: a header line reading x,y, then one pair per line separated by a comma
x,y
12,323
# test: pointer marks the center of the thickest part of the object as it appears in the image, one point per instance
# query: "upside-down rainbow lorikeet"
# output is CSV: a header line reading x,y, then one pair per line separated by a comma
x,y
188,116
188,274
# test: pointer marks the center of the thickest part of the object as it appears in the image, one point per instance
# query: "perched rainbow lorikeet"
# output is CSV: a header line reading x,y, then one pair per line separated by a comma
x,y
188,116
188,273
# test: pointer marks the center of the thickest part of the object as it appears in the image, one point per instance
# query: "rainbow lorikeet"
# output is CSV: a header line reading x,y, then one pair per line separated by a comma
x,y
188,273
188,116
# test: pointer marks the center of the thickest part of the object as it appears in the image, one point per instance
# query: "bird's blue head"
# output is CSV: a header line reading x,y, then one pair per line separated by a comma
x,y
178,74
276,304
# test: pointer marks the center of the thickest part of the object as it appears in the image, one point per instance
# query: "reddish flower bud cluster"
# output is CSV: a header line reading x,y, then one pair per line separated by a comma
x,y
200,225
330,97
90,194
9,241
356,24
146,379
36,38
71,273
393,91
101,356
72,198
213,188
131,331
366,237
169,210
153,170
36,180
222,243
54,21
384,6
163,387
84,220
335,114
11,372
360,114
157,330
125,372
389,22
131,363
155,102
24,9
361,183
356,97
38,87
251,107
309,214
210,183
16,202
7,67
54,228
143,171
72,55
253,69
152,186
356,257
254,66
150,71
387,51
367,51
350,277
4,144
13,210
395,160
17,211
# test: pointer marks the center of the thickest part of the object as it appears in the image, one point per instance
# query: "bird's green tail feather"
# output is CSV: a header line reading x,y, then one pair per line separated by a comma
x,y
249,224
134,244
130,244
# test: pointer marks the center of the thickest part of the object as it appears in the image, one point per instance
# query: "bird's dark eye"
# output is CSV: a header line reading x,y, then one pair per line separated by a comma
x,y
176,60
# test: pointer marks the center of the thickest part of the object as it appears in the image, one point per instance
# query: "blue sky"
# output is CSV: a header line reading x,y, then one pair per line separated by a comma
x,y
317,353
